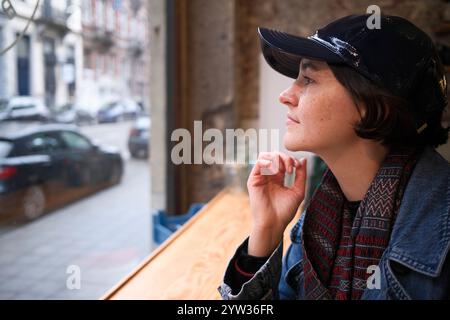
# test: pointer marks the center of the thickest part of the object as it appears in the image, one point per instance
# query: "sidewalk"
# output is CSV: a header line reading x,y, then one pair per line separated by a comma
x,y
106,235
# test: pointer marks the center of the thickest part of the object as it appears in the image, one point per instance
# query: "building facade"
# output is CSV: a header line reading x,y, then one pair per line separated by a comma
x,y
47,60
116,57
86,51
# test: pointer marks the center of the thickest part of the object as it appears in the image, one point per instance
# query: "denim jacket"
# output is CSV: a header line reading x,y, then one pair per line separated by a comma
x,y
415,264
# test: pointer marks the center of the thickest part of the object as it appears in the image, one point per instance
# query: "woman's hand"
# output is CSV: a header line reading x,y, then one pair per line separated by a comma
x,y
273,205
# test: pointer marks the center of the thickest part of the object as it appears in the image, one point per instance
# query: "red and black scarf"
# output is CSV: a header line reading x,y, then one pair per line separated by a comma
x,y
337,249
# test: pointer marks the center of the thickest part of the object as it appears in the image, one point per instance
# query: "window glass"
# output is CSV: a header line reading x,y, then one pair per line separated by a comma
x,y
75,141
43,143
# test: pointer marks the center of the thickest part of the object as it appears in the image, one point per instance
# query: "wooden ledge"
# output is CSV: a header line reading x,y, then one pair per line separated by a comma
x,y
191,263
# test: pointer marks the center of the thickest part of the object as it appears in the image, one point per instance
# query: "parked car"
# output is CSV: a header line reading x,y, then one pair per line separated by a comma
x,y
45,166
132,109
119,111
25,108
3,105
4,111
74,114
138,140
112,112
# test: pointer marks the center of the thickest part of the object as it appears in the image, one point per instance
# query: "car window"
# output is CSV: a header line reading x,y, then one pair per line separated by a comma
x,y
65,108
5,148
43,143
109,106
23,106
75,141
3,105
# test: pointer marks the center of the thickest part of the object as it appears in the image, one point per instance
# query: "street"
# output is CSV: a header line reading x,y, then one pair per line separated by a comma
x,y
103,236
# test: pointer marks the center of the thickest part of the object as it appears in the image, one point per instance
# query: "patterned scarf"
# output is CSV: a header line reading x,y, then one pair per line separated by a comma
x,y
337,249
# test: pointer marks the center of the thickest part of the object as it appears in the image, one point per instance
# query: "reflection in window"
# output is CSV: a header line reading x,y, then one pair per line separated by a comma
x,y
75,141
43,144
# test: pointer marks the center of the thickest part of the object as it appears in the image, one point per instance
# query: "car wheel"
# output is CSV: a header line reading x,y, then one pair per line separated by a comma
x,y
116,174
33,202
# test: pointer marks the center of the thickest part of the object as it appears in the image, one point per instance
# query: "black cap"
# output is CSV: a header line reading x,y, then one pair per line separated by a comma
x,y
398,57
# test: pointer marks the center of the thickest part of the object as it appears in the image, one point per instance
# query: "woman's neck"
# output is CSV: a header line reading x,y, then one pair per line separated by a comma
x,y
355,167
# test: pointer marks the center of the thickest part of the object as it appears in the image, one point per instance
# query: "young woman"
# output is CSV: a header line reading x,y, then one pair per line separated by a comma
x,y
369,102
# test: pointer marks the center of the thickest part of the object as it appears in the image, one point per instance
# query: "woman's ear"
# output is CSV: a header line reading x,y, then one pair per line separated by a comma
x,y
361,108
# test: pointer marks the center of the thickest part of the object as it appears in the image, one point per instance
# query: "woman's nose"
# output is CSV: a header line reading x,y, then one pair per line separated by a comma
x,y
289,97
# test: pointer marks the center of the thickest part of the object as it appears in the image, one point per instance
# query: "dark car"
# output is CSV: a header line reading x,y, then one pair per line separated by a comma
x,y
138,141
45,166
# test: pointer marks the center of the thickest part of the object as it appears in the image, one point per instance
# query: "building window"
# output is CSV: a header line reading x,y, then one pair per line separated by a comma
x,y
100,14
88,61
99,64
123,24
110,16
87,11
113,68
117,21
106,61
134,29
142,31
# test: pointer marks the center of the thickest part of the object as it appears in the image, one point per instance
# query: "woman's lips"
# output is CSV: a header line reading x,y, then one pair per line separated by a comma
x,y
291,121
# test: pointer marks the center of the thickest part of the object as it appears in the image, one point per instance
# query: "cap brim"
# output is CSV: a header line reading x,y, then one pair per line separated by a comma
x,y
283,51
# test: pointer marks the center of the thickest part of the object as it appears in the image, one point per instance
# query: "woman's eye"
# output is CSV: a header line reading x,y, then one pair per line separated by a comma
x,y
307,80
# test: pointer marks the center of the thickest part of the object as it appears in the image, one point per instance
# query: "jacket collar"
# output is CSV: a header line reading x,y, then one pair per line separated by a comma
x,y
420,238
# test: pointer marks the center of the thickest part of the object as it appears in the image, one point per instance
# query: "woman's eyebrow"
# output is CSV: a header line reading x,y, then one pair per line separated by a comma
x,y
307,64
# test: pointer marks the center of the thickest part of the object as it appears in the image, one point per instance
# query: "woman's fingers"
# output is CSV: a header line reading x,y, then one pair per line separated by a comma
x,y
275,163
273,166
300,177
288,162
261,165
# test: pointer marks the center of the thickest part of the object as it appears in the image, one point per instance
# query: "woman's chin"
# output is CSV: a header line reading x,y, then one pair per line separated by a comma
x,y
292,143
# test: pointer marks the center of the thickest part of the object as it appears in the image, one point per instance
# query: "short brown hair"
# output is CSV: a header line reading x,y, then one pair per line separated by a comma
x,y
388,118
